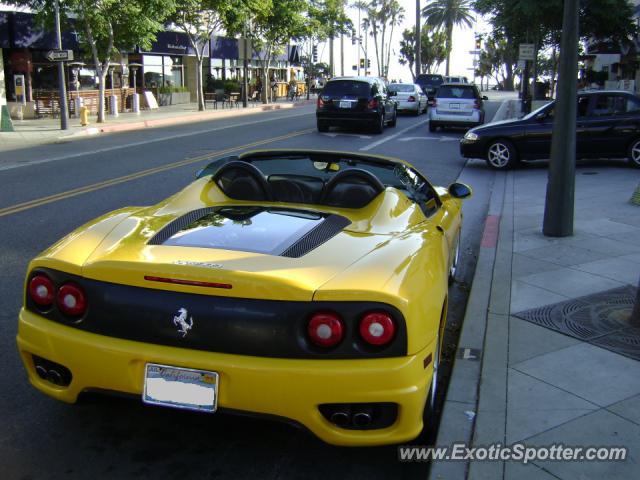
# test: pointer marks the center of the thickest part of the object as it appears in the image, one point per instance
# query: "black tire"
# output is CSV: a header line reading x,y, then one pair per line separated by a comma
x,y
502,155
378,127
394,120
323,126
634,153
432,127
429,412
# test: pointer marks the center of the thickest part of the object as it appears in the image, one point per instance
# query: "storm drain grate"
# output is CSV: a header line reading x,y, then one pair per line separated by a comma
x,y
600,319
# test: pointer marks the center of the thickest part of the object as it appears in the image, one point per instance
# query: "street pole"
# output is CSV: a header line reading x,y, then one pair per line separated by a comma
x,y
418,39
331,65
359,44
342,54
558,210
245,65
64,114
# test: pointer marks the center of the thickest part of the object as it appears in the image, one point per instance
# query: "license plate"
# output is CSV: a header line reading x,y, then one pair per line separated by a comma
x,y
454,106
177,387
345,104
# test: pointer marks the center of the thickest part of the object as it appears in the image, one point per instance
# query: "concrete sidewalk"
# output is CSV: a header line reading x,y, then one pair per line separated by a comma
x,y
47,130
517,381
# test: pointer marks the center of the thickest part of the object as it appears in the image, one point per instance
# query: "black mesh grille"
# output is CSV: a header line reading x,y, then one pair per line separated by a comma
x,y
331,226
178,224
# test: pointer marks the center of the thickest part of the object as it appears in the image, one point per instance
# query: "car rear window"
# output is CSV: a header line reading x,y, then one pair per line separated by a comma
x,y
347,87
456,92
399,87
430,79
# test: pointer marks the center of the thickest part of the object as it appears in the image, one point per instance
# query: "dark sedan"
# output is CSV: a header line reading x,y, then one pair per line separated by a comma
x,y
607,126
354,101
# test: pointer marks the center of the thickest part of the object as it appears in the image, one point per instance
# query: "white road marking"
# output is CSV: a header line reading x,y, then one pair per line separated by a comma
x,y
441,139
334,135
142,142
391,137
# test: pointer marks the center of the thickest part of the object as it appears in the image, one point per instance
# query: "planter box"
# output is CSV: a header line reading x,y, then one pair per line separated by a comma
x,y
175,98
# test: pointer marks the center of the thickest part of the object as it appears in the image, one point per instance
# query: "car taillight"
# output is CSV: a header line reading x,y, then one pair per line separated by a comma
x,y
476,104
433,103
71,300
321,102
411,99
377,328
325,329
42,290
373,104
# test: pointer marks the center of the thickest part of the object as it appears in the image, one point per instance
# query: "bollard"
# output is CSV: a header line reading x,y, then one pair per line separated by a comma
x,y
113,110
84,116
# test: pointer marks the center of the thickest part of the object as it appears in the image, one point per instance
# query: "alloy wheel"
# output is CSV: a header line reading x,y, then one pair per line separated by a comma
x,y
499,155
635,153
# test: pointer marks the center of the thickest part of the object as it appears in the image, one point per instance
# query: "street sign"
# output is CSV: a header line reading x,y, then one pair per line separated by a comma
x,y
59,55
527,52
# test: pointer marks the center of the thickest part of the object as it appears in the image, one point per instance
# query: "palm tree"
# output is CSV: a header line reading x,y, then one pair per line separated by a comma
x,y
446,14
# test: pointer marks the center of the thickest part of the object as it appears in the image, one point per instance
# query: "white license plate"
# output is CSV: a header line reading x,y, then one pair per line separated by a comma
x,y
454,106
177,387
345,104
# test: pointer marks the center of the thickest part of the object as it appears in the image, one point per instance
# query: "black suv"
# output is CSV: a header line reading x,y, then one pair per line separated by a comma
x,y
429,83
350,101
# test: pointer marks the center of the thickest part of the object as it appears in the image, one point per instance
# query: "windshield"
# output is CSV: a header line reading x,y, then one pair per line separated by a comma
x,y
430,79
544,108
456,92
399,87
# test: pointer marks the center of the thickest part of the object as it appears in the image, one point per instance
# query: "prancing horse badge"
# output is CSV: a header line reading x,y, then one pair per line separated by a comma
x,y
181,321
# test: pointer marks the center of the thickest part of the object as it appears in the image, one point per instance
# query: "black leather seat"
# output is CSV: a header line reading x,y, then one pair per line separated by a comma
x,y
352,188
242,181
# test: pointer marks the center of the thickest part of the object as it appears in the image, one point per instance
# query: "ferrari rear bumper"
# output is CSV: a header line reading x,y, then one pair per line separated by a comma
x,y
290,388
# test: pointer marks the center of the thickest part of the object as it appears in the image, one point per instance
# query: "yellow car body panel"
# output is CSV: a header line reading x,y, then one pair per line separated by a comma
x,y
390,253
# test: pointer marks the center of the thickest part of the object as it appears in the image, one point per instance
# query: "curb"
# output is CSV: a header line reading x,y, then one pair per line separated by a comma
x,y
458,420
190,118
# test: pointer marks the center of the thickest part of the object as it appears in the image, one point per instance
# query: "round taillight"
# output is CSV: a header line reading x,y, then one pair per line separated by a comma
x,y
377,328
71,300
325,329
42,290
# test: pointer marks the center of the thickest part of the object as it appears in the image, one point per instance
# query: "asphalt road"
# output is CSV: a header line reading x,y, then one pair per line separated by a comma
x,y
49,190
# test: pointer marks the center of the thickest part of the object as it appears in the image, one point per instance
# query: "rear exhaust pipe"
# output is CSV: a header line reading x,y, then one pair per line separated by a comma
x,y
340,418
54,377
362,418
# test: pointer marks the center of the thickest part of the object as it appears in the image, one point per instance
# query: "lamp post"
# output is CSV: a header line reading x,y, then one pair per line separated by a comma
x,y
64,114
135,103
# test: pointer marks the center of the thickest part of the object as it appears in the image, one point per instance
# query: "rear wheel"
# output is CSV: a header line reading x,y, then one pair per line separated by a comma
x,y
323,126
501,155
634,153
429,413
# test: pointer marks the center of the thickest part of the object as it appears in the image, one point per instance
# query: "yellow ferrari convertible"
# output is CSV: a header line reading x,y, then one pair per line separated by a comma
x,y
308,285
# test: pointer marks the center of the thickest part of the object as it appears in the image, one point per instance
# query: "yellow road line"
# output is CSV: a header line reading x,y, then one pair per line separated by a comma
x,y
134,176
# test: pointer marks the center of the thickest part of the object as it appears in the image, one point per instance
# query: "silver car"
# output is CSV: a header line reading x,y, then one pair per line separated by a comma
x,y
456,105
409,97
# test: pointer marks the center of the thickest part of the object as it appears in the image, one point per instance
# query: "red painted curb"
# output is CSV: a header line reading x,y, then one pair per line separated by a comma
x,y
491,230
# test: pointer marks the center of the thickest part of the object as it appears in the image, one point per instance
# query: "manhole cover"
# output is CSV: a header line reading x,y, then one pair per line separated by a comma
x,y
600,319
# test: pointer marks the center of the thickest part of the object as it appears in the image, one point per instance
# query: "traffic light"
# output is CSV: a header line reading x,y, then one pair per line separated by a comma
x,y
353,37
368,63
362,63
478,43
315,54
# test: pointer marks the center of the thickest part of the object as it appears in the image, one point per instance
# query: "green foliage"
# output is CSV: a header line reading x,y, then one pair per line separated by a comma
x,y
173,89
446,14
432,48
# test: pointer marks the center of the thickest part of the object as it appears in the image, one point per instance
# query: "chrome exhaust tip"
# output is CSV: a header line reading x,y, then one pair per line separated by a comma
x,y
340,418
362,419
54,377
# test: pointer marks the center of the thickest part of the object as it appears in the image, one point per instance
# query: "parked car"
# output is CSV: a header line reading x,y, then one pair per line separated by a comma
x,y
305,285
409,97
608,126
456,105
456,79
429,83
352,101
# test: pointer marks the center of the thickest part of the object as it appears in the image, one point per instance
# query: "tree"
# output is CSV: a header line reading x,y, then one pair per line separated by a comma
x,y
382,17
108,27
446,14
273,28
433,49
199,19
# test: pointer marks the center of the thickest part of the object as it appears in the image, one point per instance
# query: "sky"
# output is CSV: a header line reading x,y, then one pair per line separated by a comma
x,y
461,59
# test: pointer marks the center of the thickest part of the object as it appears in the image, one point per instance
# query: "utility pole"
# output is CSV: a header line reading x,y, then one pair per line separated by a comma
x,y
558,210
359,42
342,54
245,66
64,114
331,65
418,38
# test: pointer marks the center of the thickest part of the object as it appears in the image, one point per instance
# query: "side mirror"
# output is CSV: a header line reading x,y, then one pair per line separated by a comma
x,y
484,97
460,190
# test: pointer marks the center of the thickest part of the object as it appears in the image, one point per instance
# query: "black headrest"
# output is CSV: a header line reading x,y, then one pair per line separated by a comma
x,y
242,181
352,188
